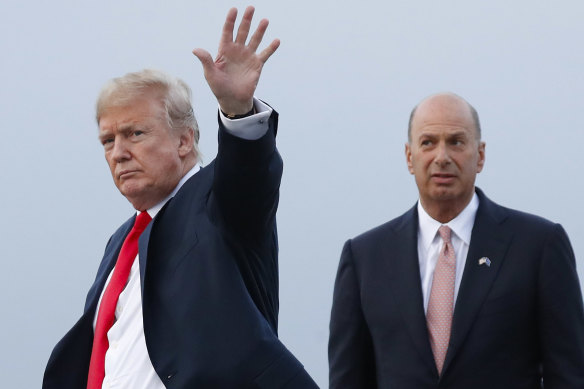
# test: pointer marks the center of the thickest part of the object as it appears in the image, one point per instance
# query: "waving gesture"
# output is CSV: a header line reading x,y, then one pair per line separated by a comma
x,y
235,73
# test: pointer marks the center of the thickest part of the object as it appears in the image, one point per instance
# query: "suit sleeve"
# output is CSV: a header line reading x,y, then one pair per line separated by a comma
x,y
247,181
561,315
351,358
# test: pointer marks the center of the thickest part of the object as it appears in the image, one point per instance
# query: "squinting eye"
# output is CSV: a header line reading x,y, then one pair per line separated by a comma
x,y
137,133
426,142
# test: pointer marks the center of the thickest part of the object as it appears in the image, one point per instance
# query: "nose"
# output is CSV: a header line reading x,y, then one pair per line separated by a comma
x,y
120,151
442,157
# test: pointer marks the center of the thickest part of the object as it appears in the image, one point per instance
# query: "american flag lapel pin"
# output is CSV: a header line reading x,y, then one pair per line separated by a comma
x,y
485,261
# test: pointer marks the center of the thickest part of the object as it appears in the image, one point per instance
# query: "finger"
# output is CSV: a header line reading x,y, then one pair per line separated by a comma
x,y
243,30
227,34
258,35
205,58
268,51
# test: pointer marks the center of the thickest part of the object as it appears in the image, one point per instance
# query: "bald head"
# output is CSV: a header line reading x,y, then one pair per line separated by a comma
x,y
444,153
445,102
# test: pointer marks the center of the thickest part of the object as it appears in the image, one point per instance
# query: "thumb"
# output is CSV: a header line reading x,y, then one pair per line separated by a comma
x,y
205,58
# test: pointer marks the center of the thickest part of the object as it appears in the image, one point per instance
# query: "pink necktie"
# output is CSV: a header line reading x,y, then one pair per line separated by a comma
x,y
107,308
440,306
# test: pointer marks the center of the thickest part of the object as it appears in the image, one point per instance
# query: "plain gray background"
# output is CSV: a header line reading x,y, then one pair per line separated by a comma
x,y
344,81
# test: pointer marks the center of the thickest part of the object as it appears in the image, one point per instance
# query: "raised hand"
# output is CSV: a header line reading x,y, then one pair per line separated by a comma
x,y
235,73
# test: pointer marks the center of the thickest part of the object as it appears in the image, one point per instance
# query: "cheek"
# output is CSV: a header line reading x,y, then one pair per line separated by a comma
x,y
423,163
165,166
471,164
110,164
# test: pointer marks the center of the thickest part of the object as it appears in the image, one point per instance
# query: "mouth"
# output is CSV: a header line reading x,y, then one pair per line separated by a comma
x,y
443,178
124,174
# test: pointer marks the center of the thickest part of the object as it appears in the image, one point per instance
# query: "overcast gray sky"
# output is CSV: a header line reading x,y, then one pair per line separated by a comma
x,y
344,81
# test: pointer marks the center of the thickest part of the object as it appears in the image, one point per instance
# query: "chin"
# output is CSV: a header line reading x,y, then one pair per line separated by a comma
x,y
445,194
132,194
138,202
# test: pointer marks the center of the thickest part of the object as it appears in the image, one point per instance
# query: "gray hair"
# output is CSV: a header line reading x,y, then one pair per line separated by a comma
x,y
176,98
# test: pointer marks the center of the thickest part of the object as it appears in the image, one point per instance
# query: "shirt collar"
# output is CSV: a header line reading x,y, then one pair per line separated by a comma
x,y
461,225
155,209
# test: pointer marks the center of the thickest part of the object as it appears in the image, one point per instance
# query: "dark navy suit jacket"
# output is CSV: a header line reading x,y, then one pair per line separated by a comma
x,y
209,278
514,321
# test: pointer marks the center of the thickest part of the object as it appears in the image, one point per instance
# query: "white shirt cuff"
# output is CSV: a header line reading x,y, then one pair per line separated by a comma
x,y
252,127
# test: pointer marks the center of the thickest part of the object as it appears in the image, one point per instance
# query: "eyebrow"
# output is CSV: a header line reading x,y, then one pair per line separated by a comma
x,y
103,134
125,128
459,133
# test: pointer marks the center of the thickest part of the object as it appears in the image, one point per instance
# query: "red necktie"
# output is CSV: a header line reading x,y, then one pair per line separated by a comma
x,y
441,304
109,300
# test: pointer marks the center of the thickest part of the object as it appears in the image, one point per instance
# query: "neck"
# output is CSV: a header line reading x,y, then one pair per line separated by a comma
x,y
446,210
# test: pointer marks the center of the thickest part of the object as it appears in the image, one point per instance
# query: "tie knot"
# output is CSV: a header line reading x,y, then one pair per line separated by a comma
x,y
445,233
142,221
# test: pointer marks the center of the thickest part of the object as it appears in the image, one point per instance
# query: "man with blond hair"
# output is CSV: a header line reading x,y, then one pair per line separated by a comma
x,y
186,295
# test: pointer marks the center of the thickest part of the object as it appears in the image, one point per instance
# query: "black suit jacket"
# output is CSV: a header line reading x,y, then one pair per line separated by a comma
x,y
514,321
209,278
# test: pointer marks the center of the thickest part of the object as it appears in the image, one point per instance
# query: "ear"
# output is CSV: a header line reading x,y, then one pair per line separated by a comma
x,y
409,158
186,142
481,161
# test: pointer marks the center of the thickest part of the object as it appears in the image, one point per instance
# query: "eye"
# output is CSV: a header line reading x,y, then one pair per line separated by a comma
x,y
106,141
137,133
426,142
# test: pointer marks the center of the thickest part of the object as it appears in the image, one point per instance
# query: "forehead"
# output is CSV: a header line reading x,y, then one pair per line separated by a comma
x,y
447,114
145,109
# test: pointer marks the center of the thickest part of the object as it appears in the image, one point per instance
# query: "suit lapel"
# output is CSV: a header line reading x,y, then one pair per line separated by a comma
x,y
193,183
143,252
108,262
487,240
406,284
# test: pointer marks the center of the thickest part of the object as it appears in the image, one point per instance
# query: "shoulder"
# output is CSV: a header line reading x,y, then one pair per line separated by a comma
x,y
528,220
199,181
195,188
402,226
529,232
513,218
122,231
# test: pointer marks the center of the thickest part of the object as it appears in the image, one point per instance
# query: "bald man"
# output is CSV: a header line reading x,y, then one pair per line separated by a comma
x,y
458,292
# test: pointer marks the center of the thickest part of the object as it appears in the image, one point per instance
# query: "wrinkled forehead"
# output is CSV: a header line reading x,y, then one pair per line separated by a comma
x,y
443,113
141,114
127,98
145,104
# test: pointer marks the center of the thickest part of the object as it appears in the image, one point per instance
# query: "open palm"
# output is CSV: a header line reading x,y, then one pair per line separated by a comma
x,y
234,74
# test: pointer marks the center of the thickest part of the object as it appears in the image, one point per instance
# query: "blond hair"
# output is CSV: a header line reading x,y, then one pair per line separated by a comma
x,y
176,98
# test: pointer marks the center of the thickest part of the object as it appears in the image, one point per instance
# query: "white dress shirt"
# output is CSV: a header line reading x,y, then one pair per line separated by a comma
x,y
127,363
430,243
